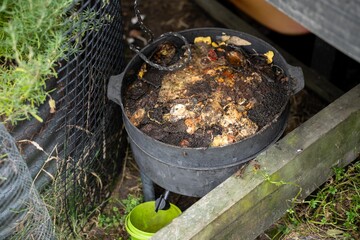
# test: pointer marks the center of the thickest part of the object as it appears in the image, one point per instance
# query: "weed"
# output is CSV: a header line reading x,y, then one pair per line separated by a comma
x,y
111,220
290,212
131,202
114,218
333,211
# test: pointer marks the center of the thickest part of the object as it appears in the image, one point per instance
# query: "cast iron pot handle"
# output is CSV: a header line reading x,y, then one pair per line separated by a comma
x,y
114,88
297,78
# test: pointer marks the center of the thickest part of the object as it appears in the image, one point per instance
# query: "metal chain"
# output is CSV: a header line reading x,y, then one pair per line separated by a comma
x,y
179,64
141,22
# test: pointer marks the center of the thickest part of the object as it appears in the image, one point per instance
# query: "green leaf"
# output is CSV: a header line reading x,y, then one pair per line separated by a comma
x,y
313,203
332,190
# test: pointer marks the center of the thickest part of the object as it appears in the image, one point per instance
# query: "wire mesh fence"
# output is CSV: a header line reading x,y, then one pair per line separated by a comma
x,y
80,145
90,126
21,209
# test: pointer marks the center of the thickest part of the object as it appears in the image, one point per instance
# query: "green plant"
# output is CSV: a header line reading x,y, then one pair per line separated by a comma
x,y
35,35
115,216
113,219
32,41
131,202
290,212
334,210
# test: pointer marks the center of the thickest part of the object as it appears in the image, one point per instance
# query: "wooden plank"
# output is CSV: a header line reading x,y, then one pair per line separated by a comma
x,y
242,208
313,81
335,21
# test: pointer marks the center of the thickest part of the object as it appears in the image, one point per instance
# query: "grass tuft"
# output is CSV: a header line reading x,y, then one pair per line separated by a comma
x,y
333,212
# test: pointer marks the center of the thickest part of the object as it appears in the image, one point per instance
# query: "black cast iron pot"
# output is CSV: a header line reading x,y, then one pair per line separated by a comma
x,y
196,171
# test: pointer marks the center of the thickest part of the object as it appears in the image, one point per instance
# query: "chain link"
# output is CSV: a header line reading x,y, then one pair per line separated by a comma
x,y
180,64
141,22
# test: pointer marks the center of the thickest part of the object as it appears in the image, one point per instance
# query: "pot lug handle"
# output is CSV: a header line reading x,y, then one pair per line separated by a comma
x,y
114,88
297,79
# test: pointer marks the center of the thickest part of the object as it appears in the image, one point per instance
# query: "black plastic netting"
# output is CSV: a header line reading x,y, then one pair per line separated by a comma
x,y
81,145
90,126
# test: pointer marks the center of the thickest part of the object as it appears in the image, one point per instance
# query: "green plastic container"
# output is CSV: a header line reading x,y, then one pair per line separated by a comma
x,y
143,222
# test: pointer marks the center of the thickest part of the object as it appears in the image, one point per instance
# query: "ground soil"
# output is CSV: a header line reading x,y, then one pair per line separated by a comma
x,y
160,17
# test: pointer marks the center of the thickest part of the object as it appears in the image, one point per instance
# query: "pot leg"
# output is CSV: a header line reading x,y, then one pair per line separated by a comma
x,y
148,187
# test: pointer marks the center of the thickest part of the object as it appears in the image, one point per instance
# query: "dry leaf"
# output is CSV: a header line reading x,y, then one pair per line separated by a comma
x,y
224,38
238,41
334,232
52,105
35,144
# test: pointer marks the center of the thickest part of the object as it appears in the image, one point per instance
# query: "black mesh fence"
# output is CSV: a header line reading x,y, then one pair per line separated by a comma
x,y
81,145
90,125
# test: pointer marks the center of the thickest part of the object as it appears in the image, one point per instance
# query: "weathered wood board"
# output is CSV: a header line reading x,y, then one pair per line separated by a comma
x,y
244,207
313,81
335,21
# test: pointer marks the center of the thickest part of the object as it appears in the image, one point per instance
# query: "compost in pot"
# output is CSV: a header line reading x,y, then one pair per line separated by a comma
x,y
239,80
222,96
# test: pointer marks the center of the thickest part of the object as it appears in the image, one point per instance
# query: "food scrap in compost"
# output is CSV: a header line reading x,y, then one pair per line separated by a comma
x,y
225,94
